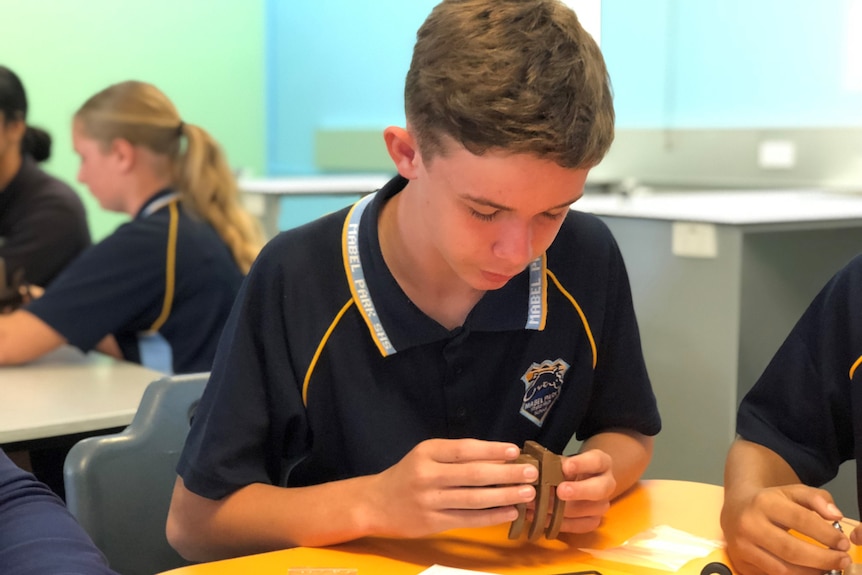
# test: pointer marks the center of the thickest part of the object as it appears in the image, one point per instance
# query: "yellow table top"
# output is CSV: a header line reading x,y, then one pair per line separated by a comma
x,y
688,506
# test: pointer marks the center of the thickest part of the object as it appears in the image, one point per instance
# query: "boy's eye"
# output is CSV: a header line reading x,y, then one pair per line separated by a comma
x,y
482,216
555,215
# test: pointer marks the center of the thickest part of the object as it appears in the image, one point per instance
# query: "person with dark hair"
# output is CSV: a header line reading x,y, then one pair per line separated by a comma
x,y
38,535
384,365
43,225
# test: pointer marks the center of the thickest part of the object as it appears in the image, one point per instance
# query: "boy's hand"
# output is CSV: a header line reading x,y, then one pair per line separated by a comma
x,y
856,534
443,484
756,528
587,490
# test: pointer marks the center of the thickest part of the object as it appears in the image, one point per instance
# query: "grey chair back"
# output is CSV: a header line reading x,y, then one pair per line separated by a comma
x,y
119,486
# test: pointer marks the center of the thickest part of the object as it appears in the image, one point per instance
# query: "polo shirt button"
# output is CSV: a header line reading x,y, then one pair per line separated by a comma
x,y
461,413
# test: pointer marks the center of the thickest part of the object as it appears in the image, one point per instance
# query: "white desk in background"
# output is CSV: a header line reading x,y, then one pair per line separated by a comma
x,y
738,207
263,197
718,280
67,393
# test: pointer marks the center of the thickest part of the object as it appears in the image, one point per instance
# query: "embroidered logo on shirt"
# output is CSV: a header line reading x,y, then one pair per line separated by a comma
x,y
544,382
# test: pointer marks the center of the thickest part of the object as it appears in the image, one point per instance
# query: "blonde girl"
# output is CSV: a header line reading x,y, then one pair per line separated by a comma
x,y
159,289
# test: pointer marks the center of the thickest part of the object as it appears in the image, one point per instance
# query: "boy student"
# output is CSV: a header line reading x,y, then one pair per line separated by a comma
x,y
796,426
382,364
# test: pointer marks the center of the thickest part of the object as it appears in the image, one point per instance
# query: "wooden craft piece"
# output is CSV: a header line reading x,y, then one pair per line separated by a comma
x,y
518,524
550,466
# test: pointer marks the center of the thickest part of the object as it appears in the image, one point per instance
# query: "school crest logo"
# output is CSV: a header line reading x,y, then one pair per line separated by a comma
x,y
544,382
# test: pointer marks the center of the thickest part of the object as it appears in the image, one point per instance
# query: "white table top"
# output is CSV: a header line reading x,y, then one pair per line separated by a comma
x,y
322,184
729,207
68,392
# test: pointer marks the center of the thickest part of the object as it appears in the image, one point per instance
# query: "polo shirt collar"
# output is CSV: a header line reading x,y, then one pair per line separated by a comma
x,y
394,322
156,202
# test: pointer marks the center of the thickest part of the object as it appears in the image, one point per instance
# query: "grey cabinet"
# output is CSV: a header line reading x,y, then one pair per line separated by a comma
x,y
709,325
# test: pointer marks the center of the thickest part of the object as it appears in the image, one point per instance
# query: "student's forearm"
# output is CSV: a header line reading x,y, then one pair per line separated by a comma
x,y
751,467
630,454
260,518
25,337
109,346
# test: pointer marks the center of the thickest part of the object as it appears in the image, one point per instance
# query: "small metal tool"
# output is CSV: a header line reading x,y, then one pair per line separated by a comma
x,y
836,525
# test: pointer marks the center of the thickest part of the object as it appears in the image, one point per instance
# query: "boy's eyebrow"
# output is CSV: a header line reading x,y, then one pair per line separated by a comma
x,y
491,204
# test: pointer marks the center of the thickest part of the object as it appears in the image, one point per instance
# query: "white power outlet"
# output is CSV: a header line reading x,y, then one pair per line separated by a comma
x,y
776,154
694,240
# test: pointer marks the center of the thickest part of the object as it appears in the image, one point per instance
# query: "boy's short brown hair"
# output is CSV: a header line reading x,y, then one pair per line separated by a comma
x,y
521,76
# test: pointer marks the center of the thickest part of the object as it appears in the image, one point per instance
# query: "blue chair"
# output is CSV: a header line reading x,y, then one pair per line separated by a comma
x,y
119,486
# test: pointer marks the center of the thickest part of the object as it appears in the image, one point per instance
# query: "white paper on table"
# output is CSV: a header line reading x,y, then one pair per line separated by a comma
x,y
442,570
661,547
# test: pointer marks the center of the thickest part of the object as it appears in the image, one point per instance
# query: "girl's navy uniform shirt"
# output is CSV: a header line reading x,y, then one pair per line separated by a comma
x,y
118,287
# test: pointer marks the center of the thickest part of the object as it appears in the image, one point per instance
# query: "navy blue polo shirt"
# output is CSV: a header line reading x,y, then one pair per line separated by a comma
x,y
38,535
807,404
118,287
327,371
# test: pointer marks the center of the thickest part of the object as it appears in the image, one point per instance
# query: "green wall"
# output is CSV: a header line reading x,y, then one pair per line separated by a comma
x,y
206,55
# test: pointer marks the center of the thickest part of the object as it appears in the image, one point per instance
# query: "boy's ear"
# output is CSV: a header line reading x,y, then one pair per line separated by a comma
x,y
403,150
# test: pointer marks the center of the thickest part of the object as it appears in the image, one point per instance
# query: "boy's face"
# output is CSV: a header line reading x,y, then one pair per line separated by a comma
x,y
489,216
